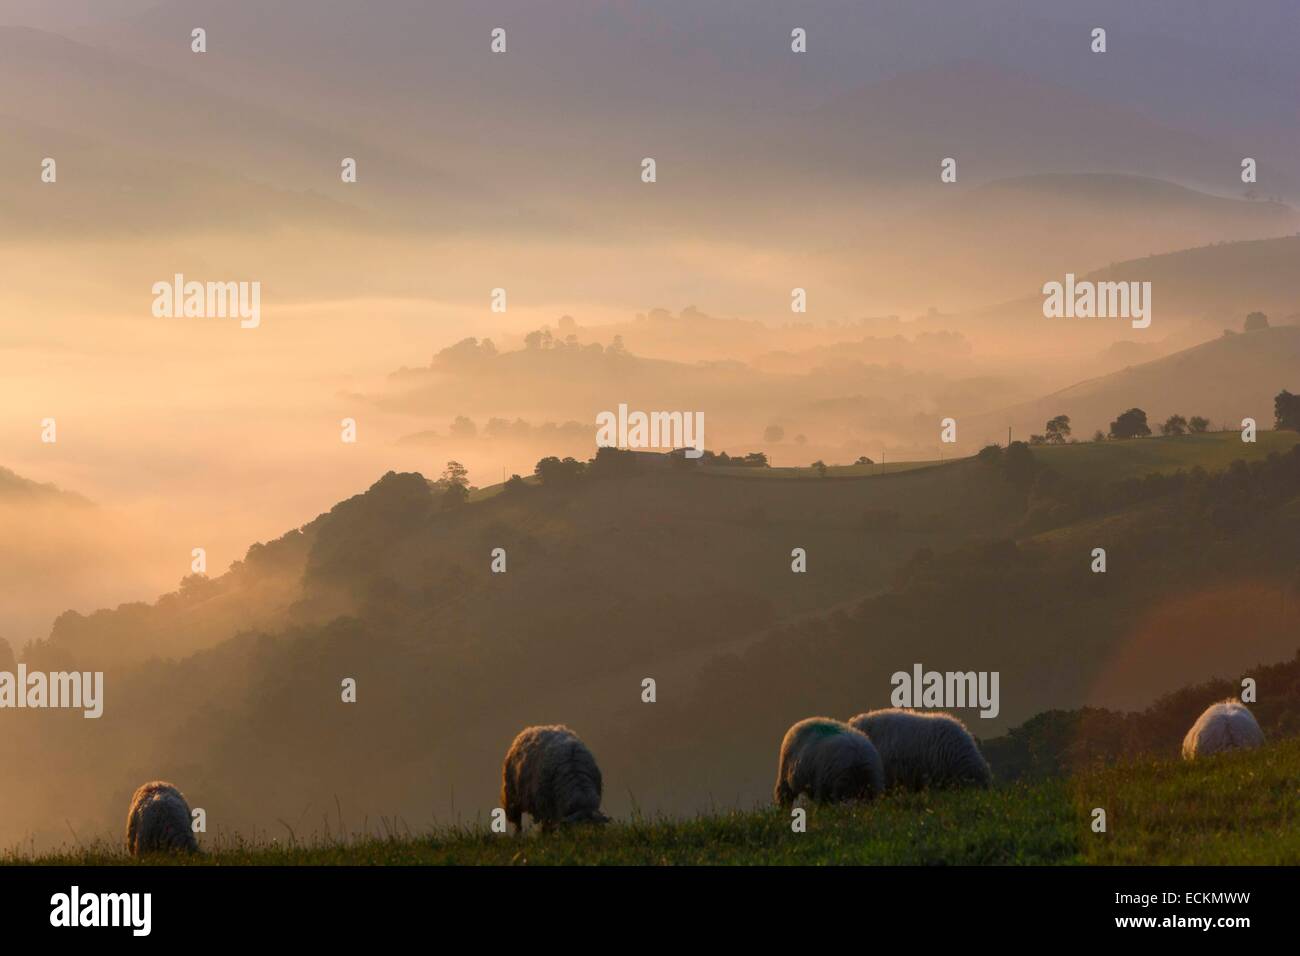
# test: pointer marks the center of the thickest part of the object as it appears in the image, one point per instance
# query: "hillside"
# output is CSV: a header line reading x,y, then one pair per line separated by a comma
x,y
1006,234
667,573
15,489
696,536
1204,288
45,530
1116,461
848,402
1225,380
1159,812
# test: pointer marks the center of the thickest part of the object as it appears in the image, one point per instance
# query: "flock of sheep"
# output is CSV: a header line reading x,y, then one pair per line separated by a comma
x,y
551,775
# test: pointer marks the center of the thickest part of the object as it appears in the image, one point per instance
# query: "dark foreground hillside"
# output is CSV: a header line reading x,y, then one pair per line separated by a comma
x,y
663,574
1240,808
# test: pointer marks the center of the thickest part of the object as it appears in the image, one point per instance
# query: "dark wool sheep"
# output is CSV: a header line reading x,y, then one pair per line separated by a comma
x,y
1227,725
924,750
159,821
829,761
550,774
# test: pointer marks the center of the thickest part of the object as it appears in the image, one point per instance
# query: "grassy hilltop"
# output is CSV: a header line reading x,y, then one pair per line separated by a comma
x,y
1240,808
1110,460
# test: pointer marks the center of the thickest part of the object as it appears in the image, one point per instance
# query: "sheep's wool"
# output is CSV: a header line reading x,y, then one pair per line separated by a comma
x,y
827,760
550,774
159,821
1227,725
922,751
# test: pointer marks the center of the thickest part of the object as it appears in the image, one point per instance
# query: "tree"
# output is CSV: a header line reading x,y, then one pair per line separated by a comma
x,y
1099,435
466,352
514,486
456,477
773,433
820,466
1058,429
1018,465
554,472
8,663
1286,411
611,462
1132,424
1256,321
1198,425
464,427
456,474
616,347
1174,425
864,460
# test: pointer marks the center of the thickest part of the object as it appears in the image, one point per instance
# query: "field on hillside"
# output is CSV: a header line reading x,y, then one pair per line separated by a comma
x,y
1117,460
1238,808
1084,460
832,471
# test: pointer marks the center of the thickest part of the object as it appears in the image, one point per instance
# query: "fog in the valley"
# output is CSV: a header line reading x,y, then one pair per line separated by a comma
x,y
497,277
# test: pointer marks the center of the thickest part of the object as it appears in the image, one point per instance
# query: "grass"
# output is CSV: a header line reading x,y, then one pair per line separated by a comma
x,y
832,471
1116,460
1085,460
1238,808
1241,808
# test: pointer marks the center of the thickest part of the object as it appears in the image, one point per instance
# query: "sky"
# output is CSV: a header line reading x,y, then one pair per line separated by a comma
x,y
775,171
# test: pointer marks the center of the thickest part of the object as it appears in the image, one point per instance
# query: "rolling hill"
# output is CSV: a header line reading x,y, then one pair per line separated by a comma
x,y
667,573
1007,234
1225,380
1207,288
15,489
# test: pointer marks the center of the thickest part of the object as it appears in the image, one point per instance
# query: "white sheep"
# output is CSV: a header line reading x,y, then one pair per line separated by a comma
x,y
159,821
1227,725
829,761
550,774
924,750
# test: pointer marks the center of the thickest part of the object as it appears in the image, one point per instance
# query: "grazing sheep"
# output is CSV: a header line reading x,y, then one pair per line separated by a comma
x,y
1227,725
924,750
159,821
550,774
829,761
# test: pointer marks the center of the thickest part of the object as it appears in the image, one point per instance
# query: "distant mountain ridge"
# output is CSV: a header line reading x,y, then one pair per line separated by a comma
x,y
15,488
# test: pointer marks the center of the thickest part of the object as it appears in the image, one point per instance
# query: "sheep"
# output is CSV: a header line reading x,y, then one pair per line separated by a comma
x,y
829,761
159,821
924,750
1227,725
550,774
